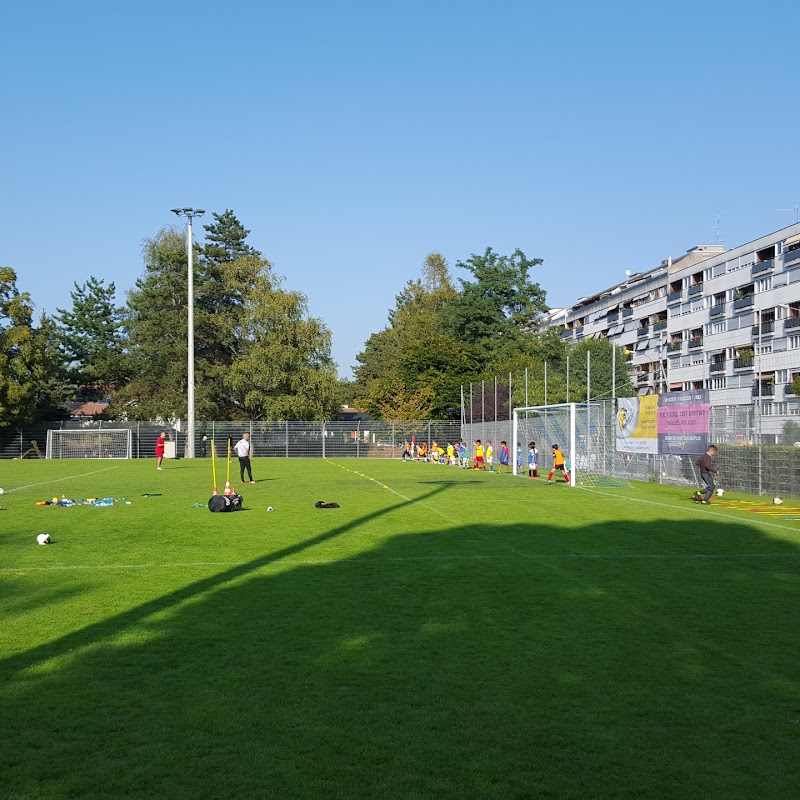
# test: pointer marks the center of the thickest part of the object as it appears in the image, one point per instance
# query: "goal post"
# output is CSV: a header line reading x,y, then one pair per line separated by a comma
x,y
547,425
90,443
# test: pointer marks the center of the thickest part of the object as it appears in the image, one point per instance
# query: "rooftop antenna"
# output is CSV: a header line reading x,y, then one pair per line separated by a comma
x,y
796,210
627,276
717,227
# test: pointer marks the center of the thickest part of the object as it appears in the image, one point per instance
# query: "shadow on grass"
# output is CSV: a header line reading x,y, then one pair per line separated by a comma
x,y
654,660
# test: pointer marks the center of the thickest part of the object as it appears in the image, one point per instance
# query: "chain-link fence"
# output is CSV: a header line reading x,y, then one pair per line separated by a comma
x,y
330,439
748,459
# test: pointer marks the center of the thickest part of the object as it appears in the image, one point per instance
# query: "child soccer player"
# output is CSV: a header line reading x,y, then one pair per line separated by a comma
x,y
479,462
489,456
503,456
451,454
519,458
533,460
463,456
558,464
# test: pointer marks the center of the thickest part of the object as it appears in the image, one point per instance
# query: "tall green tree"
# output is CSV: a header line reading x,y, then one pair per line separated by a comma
x,y
284,368
417,362
499,306
33,385
92,339
225,240
156,322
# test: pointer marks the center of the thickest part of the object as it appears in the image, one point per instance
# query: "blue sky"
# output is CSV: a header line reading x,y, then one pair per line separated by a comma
x,y
353,138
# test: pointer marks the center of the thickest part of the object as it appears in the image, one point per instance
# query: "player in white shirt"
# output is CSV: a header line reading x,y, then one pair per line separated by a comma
x,y
242,448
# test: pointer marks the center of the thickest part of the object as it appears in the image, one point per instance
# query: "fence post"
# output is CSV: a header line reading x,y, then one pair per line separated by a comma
x,y
287,439
323,438
358,439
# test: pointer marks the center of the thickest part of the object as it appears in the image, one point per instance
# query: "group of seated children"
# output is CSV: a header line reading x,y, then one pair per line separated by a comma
x,y
457,454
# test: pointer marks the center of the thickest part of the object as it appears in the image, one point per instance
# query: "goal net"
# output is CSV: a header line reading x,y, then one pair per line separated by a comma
x,y
583,434
99,443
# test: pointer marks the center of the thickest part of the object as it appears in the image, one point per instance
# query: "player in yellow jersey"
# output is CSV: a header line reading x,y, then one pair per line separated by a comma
x,y
479,462
558,464
490,456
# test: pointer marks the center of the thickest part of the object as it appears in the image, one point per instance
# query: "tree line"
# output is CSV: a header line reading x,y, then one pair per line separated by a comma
x,y
259,354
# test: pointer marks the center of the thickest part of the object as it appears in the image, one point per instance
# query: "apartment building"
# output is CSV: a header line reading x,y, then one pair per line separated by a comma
x,y
723,320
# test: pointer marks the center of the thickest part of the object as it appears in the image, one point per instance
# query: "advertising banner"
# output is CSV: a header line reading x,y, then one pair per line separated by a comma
x,y
636,424
683,422
675,423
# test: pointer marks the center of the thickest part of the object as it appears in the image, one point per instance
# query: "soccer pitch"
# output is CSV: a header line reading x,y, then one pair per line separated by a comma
x,y
443,634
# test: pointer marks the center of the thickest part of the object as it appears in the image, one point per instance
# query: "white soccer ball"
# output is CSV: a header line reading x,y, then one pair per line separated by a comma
x,y
43,538
270,508
720,492
778,501
2,491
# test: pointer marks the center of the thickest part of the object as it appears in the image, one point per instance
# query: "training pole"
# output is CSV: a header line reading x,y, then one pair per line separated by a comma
x,y
228,490
214,466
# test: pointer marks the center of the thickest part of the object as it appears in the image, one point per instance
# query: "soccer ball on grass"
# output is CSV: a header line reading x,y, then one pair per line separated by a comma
x,y
778,501
43,538
720,492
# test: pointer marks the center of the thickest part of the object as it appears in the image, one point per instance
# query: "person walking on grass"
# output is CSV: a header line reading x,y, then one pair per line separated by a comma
x,y
489,455
708,472
242,448
558,464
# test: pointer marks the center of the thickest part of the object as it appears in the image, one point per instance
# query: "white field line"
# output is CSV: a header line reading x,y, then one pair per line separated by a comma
x,y
60,480
366,559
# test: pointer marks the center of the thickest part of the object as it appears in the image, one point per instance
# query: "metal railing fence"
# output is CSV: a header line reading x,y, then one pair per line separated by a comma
x,y
287,439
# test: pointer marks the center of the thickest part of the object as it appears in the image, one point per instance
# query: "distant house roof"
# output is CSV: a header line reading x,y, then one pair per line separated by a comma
x,y
90,409
349,414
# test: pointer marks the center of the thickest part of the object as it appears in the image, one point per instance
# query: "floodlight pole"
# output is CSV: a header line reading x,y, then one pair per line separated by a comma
x,y
190,213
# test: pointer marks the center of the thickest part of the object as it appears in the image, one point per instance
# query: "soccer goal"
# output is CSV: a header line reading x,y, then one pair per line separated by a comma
x,y
95,443
584,432
546,425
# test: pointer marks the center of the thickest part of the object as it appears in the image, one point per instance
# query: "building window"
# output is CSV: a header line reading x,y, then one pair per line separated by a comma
x,y
764,284
716,383
764,349
794,342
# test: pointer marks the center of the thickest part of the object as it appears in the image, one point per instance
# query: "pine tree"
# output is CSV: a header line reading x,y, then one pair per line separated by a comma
x,y
91,338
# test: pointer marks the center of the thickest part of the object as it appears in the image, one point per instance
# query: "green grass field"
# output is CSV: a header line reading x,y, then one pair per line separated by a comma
x,y
443,634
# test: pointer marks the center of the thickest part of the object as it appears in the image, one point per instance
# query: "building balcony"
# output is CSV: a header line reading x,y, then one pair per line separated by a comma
x,y
717,310
566,334
579,330
695,290
763,266
674,347
790,323
643,379
612,318
660,326
743,302
696,343
788,388
627,313
674,297
767,328
717,366
743,362
792,255
643,331
764,390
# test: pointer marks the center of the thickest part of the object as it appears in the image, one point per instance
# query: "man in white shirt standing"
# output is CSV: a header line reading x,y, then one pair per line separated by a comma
x,y
242,448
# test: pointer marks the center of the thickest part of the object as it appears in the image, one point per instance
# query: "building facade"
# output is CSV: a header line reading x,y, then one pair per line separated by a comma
x,y
723,320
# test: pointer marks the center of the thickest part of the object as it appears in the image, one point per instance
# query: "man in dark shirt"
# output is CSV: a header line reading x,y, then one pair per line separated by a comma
x,y
707,474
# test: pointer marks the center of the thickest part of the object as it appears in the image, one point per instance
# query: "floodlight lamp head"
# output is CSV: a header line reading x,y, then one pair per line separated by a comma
x,y
199,212
176,211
